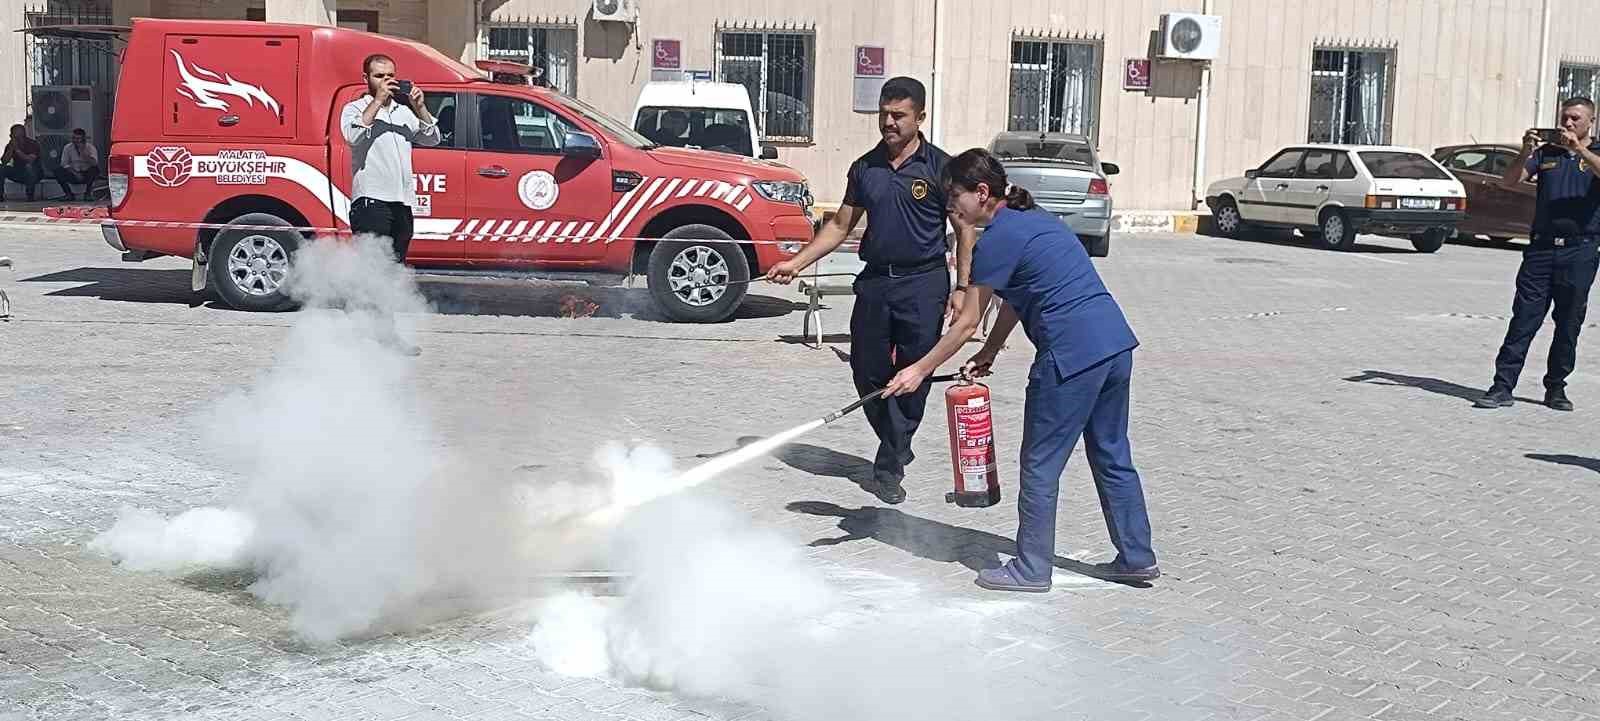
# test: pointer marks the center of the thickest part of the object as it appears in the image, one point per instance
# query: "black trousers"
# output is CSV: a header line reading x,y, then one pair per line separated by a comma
x,y
1558,277
904,315
66,176
390,220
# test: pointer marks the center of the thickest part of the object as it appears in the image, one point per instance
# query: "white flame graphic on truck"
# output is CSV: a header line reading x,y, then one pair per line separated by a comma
x,y
205,92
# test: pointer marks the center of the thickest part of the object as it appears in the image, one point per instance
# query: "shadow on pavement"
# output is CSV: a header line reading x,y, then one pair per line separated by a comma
x,y
1291,240
927,539
507,298
1564,459
1432,385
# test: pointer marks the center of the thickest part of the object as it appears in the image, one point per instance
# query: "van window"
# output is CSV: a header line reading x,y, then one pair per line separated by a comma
x,y
514,125
724,130
443,108
616,128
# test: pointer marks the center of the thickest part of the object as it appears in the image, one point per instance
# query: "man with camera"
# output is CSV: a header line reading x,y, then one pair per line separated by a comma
x,y
381,126
1564,251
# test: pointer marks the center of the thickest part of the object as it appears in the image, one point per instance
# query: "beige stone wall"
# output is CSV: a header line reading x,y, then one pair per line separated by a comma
x,y
1463,70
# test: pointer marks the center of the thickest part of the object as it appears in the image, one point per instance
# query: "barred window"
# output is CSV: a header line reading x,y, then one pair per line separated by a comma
x,y
551,49
778,70
1577,81
1055,87
1350,96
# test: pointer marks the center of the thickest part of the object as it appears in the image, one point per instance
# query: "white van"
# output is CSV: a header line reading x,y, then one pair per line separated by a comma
x,y
703,115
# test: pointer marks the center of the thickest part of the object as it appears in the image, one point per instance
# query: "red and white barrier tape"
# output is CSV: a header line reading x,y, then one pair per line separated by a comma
x,y
58,220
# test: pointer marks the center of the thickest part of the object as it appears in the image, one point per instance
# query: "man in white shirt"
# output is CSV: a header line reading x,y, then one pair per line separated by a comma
x,y
381,126
80,164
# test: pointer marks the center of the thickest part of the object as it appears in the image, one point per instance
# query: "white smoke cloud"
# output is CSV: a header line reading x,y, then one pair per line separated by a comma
x,y
350,513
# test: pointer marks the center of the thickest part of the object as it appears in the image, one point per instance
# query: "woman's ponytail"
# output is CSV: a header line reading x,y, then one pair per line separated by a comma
x,y
1018,198
978,167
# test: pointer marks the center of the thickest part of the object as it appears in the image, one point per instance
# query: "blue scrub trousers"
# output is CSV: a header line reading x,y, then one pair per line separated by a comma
x,y
1094,404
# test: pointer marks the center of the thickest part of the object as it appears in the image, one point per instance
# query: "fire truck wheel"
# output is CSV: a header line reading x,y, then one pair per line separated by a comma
x,y
248,267
688,270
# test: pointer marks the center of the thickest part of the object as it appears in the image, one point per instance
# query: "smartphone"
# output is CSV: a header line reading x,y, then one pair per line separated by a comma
x,y
403,94
1549,135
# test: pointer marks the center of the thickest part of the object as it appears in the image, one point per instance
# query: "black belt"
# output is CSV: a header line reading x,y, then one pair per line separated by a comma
x,y
900,270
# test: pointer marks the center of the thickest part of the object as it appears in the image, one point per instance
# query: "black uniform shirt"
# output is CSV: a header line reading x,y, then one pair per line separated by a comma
x,y
905,206
1569,196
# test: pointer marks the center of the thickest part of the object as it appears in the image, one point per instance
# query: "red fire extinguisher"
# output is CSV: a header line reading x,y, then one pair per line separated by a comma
x,y
972,445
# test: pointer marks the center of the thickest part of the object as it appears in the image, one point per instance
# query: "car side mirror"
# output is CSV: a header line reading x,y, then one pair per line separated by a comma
x,y
1252,174
768,152
581,145
1110,168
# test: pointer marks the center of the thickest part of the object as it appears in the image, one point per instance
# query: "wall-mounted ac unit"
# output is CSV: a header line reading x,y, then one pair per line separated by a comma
x,y
617,11
60,109
1189,36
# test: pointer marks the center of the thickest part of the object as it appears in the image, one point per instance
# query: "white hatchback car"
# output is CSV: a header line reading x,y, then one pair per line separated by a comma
x,y
1334,192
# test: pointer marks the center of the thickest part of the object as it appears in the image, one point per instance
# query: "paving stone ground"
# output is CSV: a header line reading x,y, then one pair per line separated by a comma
x,y
1343,535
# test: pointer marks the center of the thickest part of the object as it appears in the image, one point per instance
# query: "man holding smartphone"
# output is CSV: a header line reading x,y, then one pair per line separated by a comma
x,y
381,126
1559,265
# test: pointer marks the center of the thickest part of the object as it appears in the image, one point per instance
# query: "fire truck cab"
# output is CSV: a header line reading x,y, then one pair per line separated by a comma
x,y
234,124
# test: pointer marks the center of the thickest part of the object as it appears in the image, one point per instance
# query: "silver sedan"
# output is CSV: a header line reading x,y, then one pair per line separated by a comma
x,y
1066,177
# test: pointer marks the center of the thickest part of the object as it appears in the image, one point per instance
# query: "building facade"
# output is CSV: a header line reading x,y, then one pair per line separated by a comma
x,y
1423,73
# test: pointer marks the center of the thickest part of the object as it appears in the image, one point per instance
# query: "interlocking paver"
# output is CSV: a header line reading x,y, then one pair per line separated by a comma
x,y
1343,536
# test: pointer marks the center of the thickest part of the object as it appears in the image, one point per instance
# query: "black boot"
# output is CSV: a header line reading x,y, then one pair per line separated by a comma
x,y
1557,398
1495,398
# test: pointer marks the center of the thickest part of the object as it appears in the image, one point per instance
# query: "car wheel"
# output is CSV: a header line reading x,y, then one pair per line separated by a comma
x,y
249,268
1337,233
697,274
1430,241
1097,246
1227,219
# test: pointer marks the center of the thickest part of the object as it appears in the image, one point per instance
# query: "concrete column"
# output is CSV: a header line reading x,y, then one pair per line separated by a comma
x,y
453,28
124,11
310,12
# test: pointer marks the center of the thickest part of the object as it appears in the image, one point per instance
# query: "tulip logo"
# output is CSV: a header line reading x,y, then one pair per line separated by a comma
x,y
169,166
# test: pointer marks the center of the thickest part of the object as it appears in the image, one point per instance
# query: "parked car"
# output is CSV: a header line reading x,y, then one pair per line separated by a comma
x,y
1494,210
235,123
1333,192
709,116
1066,177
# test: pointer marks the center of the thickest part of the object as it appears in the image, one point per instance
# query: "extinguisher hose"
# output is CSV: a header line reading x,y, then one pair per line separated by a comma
x,y
842,412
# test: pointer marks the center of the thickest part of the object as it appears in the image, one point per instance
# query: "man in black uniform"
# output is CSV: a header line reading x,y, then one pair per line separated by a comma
x,y
902,294
1559,265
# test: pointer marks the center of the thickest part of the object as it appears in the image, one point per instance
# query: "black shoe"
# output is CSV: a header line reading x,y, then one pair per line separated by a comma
x,y
1113,571
1495,398
890,490
1557,398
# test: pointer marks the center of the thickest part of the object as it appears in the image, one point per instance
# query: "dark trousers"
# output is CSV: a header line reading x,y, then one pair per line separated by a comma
x,y
1093,404
25,175
390,220
66,177
903,315
1558,277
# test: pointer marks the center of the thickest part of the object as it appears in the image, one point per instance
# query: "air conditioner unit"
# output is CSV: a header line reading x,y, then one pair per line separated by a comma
x,y
1189,36
618,11
60,109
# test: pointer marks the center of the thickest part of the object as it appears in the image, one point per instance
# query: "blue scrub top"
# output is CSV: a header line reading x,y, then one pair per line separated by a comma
x,y
1038,265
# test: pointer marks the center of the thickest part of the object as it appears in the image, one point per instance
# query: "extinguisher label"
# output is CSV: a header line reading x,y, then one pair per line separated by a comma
x,y
974,445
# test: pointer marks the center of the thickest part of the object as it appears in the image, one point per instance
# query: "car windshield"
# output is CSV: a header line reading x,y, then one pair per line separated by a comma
x,y
1050,151
724,130
1399,165
618,129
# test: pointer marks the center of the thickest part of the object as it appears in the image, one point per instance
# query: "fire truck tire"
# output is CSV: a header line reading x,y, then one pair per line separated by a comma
x,y
696,255
249,267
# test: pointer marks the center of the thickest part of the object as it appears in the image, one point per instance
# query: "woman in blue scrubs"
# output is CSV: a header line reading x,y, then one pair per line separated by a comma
x,y
1081,369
